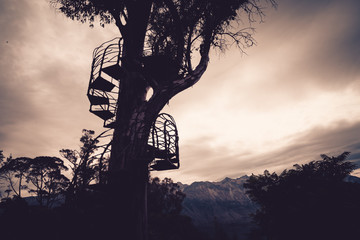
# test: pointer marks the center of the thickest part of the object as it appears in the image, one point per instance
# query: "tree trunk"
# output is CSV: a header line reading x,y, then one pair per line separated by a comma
x,y
128,165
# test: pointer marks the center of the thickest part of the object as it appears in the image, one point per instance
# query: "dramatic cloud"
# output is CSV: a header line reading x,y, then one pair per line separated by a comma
x,y
292,97
205,162
45,65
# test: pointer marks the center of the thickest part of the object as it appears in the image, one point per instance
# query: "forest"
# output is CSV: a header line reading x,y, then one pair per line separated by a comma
x,y
62,198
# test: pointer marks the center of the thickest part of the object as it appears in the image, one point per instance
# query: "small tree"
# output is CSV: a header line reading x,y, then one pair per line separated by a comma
x,y
311,201
165,220
83,167
165,197
45,175
14,171
1,157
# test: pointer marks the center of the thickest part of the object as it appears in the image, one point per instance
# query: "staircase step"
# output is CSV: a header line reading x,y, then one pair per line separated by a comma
x,y
96,100
114,71
161,165
110,125
163,154
102,84
105,114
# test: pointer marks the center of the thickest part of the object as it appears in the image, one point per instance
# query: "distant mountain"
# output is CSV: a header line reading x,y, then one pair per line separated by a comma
x,y
224,203
352,179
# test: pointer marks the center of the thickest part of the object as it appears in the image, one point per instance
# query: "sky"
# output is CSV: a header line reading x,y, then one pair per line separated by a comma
x,y
293,96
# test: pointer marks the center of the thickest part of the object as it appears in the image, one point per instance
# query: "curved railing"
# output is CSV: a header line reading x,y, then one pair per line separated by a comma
x,y
104,80
163,143
107,54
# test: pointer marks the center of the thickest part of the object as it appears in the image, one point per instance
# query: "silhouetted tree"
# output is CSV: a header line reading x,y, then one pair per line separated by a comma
x,y
166,46
1,162
165,220
311,201
1,156
83,165
45,175
14,171
41,176
165,197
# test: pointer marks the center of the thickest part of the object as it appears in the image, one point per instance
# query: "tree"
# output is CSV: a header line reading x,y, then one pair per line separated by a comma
x,y
311,201
13,171
88,166
41,175
1,156
165,197
165,220
45,175
175,32
82,164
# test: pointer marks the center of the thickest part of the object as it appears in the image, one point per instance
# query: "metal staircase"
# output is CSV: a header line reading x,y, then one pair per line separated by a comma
x,y
105,79
106,74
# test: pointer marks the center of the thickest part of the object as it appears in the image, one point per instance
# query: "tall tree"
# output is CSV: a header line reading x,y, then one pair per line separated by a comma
x,y
177,36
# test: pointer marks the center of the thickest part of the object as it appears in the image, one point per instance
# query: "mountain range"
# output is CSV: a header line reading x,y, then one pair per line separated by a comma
x,y
222,204
225,204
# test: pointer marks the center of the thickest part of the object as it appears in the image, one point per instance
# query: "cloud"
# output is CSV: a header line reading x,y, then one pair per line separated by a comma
x,y
268,109
202,161
298,83
321,44
45,64
305,49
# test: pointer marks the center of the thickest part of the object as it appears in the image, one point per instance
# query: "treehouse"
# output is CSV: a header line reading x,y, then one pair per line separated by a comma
x,y
105,77
163,144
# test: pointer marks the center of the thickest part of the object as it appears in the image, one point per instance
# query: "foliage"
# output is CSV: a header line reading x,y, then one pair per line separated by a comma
x,y
84,168
165,197
45,175
90,221
14,171
42,175
1,157
175,28
310,201
165,204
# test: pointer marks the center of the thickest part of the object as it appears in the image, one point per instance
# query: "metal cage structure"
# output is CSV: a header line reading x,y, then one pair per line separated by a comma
x,y
106,73
164,144
103,90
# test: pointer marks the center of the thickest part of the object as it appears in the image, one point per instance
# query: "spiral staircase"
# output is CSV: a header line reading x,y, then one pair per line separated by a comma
x,y
105,80
105,77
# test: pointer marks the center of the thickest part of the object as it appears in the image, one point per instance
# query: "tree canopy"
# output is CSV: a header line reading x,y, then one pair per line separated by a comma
x,y
41,176
84,168
175,28
311,201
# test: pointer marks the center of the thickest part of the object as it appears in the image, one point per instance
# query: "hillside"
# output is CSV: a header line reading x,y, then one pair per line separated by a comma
x,y
224,203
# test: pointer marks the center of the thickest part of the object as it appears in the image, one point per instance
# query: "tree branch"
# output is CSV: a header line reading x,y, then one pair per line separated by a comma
x,y
179,29
118,23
